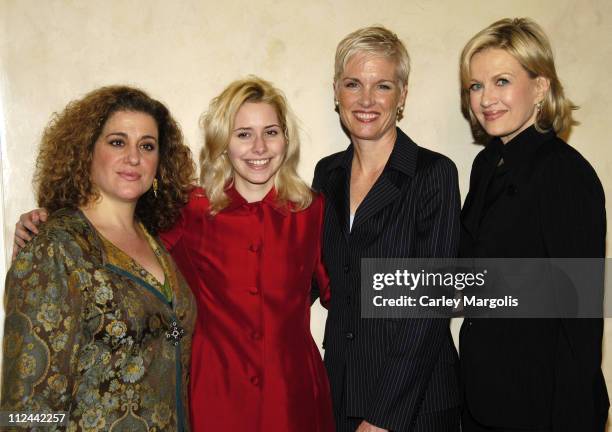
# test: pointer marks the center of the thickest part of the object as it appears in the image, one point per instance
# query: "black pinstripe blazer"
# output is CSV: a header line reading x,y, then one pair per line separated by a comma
x,y
388,371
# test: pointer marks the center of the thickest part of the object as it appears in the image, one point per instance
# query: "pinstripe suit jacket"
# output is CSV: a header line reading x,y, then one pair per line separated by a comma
x,y
388,371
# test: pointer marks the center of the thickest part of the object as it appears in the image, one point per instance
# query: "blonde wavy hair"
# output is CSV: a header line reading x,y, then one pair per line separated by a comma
x,y
216,170
63,167
527,43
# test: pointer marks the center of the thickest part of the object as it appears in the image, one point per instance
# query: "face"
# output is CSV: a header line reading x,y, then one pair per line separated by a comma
x,y
126,155
256,149
503,97
369,94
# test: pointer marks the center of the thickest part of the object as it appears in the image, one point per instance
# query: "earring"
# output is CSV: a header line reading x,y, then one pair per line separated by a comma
x,y
400,112
539,106
336,105
155,186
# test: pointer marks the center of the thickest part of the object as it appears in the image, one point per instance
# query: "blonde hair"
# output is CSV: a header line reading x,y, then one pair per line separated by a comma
x,y
374,40
216,170
527,43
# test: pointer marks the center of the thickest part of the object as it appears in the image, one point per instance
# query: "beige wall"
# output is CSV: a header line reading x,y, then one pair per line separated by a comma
x,y
184,52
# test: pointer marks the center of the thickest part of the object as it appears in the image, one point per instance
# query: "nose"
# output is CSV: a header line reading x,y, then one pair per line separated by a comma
x,y
488,96
365,97
259,145
132,154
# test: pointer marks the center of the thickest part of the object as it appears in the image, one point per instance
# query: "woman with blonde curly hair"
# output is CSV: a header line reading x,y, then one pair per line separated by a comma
x,y
249,245
218,169
98,318
531,195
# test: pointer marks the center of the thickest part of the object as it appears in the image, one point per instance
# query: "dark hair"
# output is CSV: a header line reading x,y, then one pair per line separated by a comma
x,y
63,166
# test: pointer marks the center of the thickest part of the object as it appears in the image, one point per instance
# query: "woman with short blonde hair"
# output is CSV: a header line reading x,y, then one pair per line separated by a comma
x,y
386,197
376,41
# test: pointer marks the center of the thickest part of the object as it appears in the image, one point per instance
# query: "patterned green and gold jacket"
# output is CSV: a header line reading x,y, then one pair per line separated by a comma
x,y
89,332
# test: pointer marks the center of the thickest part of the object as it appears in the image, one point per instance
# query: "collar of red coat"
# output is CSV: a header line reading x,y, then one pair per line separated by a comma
x,y
237,202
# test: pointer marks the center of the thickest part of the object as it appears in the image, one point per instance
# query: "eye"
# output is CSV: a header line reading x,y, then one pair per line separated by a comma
x,y
243,135
351,84
149,146
272,132
116,142
475,87
502,82
384,86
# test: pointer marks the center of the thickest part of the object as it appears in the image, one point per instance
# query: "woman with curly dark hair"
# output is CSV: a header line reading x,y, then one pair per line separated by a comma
x,y
98,318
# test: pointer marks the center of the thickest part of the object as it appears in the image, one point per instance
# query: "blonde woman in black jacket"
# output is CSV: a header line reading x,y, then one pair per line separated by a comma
x,y
531,196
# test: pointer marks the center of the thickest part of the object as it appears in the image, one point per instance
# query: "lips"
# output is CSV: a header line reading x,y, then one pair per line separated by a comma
x,y
366,116
493,115
129,176
257,163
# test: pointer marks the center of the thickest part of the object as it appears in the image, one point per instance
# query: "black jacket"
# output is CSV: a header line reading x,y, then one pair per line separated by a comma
x,y
388,371
543,373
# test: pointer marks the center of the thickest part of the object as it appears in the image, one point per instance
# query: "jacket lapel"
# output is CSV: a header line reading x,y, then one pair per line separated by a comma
x,y
472,210
383,193
398,172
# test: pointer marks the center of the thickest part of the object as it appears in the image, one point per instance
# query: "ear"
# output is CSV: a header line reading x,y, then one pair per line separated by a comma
x,y
403,94
542,87
335,86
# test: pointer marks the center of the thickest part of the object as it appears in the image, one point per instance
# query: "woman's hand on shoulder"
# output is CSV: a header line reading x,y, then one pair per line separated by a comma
x,y
27,227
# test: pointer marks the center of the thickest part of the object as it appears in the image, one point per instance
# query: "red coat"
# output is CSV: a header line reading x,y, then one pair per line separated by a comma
x,y
255,366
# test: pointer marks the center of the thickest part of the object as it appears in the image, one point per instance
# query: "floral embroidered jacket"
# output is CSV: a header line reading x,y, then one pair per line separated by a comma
x,y
90,334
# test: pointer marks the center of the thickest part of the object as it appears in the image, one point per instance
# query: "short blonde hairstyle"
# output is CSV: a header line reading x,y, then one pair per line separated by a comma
x,y
527,43
375,40
216,170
